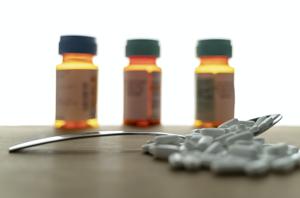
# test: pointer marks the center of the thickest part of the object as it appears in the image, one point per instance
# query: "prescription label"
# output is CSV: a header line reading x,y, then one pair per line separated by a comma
x,y
76,94
155,88
141,95
214,97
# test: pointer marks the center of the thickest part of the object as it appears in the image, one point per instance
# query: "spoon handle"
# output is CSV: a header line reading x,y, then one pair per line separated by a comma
x,y
275,119
66,137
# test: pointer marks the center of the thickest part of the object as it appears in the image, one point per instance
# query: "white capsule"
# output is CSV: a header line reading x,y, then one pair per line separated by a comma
x,y
257,167
207,159
146,147
228,165
213,132
190,145
259,140
223,138
229,123
150,148
249,123
168,139
176,160
260,120
244,151
284,164
214,148
240,136
253,129
196,130
245,142
242,127
234,128
204,142
191,162
296,158
196,137
162,151
279,149
206,139
292,149
266,123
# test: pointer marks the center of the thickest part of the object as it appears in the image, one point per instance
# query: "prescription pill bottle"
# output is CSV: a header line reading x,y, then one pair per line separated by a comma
x,y
76,83
142,83
214,83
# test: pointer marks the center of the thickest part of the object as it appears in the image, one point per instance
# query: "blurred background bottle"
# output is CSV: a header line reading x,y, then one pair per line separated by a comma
x,y
76,83
214,83
142,83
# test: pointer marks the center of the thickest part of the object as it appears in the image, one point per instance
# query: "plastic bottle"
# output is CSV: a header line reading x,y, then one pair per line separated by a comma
x,y
214,83
142,83
76,83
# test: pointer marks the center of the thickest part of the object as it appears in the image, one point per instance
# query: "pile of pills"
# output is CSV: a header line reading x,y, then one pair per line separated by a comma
x,y
230,148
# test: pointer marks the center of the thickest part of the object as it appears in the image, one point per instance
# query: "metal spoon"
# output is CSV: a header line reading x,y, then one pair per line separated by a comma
x,y
275,117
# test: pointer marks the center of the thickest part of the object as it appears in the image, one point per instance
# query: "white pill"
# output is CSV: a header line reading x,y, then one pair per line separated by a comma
x,y
292,149
190,145
213,132
162,151
229,123
176,160
146,147
296,158
242,127
228,165
187,137
234,128
284,164
204,142
244,151
279,149
259,140
196,130
196,137
206,139
259,146
151,148
214,148
223,138
249,123
240,136
257,167
254,129
260,120
207,159
191,162
168,139
244,142
266,123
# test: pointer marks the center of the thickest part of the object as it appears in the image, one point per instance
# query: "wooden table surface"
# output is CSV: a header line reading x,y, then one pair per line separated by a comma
x,y
115,167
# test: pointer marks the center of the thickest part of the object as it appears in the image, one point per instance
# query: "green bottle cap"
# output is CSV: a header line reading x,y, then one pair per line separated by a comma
x,y
214,47
142,47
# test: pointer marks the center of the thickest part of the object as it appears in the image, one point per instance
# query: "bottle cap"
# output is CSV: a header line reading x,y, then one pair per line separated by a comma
x,y
77,44
142,47
214,47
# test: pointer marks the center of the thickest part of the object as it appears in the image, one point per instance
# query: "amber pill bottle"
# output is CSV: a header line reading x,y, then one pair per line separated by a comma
x,y
76,83
215,95
142,83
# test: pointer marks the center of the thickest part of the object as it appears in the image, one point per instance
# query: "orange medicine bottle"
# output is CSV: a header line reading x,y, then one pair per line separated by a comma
x,y
76,83
142,83
215,96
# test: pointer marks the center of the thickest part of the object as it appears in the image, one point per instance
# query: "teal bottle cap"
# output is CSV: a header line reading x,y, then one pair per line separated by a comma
x,y
214,47
142,47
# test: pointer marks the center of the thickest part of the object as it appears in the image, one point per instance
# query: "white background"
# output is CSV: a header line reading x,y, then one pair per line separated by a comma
x,y
266,52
